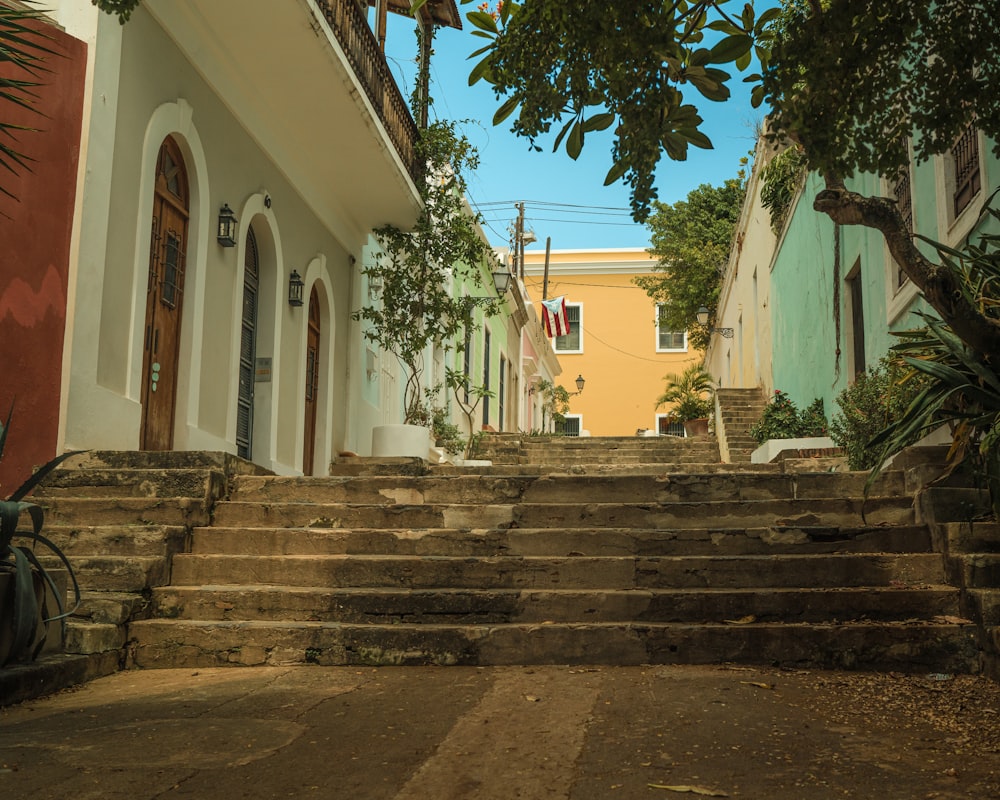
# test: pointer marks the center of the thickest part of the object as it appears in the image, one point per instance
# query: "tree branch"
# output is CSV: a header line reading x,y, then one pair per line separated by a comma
x,y
938,283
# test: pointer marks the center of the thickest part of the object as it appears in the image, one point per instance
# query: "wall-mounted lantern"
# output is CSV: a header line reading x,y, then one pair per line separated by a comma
x,y
501,279
702,316
227,226
295,287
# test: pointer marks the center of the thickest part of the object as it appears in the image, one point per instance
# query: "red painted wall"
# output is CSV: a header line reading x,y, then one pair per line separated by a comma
x,y
34,257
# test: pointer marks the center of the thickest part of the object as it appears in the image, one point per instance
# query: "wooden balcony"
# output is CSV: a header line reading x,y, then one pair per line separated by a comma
x,y
351,30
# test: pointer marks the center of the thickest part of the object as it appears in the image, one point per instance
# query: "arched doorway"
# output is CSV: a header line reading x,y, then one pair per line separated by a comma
x,y
312,383
164,299
248,347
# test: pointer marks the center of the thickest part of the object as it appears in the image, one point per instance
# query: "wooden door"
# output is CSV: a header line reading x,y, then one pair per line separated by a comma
x,y
248,348
164,296
312,383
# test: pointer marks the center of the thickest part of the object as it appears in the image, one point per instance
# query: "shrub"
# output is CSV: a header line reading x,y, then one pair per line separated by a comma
x,y
877,399
782,420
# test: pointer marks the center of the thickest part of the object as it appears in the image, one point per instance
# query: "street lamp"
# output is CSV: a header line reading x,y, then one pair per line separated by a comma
x,y
580,381
702,316
501,280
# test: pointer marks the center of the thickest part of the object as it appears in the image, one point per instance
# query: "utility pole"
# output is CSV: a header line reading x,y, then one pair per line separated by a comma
x,y
545,278
519,238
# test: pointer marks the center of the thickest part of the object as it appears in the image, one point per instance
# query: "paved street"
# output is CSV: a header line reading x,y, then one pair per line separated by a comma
x,y
502,733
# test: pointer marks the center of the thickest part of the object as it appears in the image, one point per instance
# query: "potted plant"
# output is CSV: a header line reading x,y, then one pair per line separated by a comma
x,y
690,394
417,271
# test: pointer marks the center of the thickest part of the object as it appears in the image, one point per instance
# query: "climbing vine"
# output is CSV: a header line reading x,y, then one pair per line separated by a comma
x,y
780,180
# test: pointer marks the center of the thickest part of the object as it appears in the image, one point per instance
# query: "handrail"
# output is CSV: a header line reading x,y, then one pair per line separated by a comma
x,y
350,28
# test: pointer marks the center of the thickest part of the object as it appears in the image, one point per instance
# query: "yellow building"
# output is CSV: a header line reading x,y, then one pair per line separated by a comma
x,y
615,343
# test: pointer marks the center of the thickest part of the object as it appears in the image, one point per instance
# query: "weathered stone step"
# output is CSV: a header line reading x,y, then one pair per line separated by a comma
x,y
554,542
466,489
112,608
118,540
899,646
578,572
163,459
93,637
504,606
712,514
125,511
199,483
498,470
116,573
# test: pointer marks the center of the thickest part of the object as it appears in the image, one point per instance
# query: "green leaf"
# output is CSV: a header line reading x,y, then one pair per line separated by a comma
x,y
731,48
615,173
574,144
483,21
482,71
757,96
696,137
506,109
598,122
744,60
710,89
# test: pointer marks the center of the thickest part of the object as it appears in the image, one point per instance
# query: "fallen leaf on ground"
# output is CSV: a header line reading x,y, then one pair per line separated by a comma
x,y
947,619
532,699
689,790
757,683
741,621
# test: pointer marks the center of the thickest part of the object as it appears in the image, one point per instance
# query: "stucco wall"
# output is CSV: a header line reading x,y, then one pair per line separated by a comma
x,y
35,230
620,363
155,82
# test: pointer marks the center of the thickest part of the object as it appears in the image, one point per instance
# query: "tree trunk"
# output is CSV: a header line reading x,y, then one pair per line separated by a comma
x,y
939,284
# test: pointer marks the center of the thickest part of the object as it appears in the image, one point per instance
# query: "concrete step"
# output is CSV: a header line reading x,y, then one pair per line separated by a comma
x,y
576,572
899,646
505,606
555,542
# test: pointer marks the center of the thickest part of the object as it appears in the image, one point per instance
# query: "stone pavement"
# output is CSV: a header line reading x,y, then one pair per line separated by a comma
x,y
500,733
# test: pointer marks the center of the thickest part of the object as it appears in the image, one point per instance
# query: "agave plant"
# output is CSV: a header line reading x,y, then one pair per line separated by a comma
x,y
23,629
964,385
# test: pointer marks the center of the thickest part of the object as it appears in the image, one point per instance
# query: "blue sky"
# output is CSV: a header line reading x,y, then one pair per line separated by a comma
x,y
564,199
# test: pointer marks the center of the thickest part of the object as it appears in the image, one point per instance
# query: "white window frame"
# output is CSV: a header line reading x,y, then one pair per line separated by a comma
x,y
580,324
660,417
899,298
656,326
953,230
579,422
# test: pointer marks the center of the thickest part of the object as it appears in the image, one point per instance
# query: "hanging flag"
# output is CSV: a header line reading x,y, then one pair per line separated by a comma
x,y
554,316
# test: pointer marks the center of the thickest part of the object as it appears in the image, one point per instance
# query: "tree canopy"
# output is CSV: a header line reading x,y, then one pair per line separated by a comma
x,y
856,83
691,239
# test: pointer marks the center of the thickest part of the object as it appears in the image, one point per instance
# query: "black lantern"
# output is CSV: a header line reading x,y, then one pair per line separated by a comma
x,y
580,381
226,233
295,287
501,279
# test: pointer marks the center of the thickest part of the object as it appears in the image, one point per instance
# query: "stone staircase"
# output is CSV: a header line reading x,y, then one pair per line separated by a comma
x,y
738,410
191,560
434,567
597,453
120,517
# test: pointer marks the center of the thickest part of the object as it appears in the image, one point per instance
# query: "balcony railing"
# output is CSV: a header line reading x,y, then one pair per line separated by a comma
x,y
349,25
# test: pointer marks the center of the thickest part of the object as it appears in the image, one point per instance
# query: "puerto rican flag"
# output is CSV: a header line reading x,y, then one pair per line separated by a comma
x,y
554,316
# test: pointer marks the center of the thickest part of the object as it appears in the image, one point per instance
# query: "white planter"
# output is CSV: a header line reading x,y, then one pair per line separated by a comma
x,y
772,448
389,441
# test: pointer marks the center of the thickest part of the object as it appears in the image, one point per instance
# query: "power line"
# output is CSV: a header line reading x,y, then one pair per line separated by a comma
x,y
533,218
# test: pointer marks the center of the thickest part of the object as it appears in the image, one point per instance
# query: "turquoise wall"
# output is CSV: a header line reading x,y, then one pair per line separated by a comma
x,y
805,347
